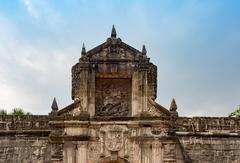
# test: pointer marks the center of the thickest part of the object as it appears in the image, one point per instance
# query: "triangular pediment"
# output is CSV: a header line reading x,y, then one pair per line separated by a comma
x,y
113,49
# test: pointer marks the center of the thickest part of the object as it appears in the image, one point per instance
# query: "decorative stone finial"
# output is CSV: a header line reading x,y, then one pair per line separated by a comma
x,y
114,33
173,106
144,51
83,49
54,105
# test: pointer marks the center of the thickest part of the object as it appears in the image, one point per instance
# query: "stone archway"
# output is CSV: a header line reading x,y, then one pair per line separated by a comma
x,y
108,160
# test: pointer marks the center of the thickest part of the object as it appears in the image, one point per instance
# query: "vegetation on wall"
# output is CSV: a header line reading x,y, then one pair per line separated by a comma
x,y
3,112
236,113
15,112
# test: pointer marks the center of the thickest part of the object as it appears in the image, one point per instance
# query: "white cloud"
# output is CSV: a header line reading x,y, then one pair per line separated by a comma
x,y
43,12
32,10
177,41
30,76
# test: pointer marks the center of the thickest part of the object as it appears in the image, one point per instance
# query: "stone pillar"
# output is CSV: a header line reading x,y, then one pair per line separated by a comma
x,y
135,93
83,85
135,152
69,152
126,152
102,151
145,86
91,100
146,152
140,91
157,152
81,152
84,90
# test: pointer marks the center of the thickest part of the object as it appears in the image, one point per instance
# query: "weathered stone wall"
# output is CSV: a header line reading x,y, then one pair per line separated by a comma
x,y
201,139
31,122
208,124
24,139
202,149
24,149
209,140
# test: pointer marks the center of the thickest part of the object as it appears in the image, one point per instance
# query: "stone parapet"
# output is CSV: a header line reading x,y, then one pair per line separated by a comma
x,y
26,122
208,126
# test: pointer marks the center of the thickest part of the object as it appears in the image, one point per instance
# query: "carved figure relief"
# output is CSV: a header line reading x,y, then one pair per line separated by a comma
x,y
113,97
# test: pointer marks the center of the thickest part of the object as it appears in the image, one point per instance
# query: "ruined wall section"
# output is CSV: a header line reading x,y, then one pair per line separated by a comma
x,y
209,140
24,139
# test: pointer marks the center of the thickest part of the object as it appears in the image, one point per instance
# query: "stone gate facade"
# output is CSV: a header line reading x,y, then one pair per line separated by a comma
x,y
114,119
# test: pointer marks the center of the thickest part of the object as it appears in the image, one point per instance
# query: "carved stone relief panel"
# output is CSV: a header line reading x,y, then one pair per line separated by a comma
x,y
159,131
114,138
113,97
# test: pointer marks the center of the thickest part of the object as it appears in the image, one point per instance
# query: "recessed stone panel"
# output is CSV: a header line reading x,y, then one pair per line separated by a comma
x,y
113,96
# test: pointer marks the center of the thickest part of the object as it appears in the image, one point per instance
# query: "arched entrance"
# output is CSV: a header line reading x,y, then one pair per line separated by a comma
x,y
108,160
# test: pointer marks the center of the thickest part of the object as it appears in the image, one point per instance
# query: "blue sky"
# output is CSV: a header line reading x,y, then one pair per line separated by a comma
x,y
194,43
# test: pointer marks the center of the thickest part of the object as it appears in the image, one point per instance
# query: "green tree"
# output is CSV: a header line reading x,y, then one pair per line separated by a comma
x,y
236,113
28,113
17,112
3,112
